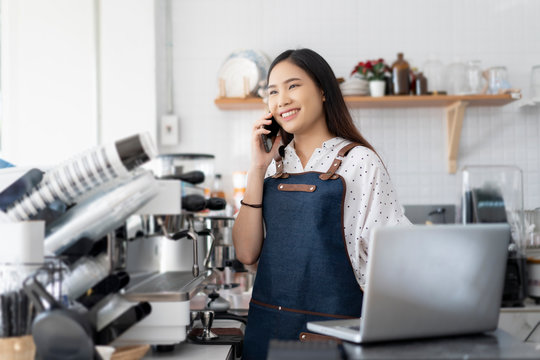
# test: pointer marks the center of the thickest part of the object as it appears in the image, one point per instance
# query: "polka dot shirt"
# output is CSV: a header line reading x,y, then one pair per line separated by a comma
x,y
370,200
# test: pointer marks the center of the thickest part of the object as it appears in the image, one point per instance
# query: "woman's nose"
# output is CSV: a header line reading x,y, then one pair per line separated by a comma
x,y
283,99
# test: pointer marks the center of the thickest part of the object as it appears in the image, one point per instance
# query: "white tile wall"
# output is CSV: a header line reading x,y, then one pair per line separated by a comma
x,y
411,141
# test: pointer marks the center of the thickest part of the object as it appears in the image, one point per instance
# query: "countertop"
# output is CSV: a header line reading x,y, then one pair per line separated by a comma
x,y
496,345
186,351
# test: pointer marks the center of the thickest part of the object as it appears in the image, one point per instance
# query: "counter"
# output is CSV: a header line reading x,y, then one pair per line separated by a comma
x,y
187,351
496,345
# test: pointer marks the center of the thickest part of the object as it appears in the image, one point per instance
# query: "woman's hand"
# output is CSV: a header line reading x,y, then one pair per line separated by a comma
x,y
260,158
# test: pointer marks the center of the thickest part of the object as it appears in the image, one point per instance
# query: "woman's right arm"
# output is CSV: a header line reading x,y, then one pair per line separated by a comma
x,y
248,233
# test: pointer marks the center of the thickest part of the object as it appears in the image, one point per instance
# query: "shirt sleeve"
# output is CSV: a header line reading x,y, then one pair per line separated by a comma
x,y
271,169
371,201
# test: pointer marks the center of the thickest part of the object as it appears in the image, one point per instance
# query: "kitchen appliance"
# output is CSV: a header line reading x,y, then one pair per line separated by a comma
x,y
221,253
167,259
167,165
494,194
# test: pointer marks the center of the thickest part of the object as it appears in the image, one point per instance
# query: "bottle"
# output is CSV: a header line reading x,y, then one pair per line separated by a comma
x,y
400,76
421,84
217,188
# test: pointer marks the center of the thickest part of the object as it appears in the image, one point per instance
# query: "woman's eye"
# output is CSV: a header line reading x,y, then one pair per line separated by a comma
x,y
293,86
272,92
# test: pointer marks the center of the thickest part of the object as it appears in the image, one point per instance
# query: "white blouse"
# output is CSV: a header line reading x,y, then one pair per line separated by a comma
x,y
370,201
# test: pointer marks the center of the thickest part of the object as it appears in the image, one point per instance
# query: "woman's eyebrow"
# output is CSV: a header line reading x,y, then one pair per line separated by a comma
x,y
285,82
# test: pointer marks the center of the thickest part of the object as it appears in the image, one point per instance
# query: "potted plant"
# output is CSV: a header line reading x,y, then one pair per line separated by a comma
x,y
373,71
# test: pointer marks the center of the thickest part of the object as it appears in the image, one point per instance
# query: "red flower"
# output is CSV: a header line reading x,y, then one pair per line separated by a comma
x,y
372,69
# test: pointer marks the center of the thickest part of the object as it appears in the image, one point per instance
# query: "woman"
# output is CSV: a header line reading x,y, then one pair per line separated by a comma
x,y
309,205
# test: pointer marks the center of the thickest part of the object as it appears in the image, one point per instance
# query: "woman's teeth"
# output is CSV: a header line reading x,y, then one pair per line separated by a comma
x,y
289,113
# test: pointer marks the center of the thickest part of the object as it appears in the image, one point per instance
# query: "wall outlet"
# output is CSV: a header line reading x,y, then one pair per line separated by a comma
x,y
169,130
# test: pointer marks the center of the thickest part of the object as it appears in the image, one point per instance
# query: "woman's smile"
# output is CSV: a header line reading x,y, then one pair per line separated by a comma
x,y
289,114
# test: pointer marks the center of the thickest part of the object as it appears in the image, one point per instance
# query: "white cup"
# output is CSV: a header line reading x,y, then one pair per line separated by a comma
x,y
22,242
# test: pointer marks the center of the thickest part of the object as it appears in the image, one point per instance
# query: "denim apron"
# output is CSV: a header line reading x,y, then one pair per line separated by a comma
x,y
304,272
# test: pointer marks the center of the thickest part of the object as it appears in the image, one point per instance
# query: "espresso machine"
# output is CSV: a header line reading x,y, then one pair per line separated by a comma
x,y
492,194
131,249
164,256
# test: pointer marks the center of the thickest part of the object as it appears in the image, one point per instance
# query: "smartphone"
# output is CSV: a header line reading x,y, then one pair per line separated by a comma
x,y
268,139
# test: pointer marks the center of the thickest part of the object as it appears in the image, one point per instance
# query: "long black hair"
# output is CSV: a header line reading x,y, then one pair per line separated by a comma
x,y
338,118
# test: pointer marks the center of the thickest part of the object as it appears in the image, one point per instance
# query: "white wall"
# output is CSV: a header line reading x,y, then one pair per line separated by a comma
x,y
411,141
127,68
48,79
75,73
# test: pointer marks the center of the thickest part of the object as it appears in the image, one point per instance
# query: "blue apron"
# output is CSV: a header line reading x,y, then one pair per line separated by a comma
x,y
304,272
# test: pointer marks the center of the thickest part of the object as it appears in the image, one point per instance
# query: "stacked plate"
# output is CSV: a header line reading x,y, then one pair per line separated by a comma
x,y
242,72
354,86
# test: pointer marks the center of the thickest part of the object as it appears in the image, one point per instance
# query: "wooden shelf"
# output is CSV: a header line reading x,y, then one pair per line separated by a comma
x,y
455,106
395,101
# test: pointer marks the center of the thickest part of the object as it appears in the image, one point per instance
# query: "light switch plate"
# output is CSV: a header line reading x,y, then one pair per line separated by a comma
x,y
169,130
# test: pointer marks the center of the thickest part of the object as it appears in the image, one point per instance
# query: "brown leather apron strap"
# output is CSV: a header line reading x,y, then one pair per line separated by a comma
x,y
331,172
279,168
307,336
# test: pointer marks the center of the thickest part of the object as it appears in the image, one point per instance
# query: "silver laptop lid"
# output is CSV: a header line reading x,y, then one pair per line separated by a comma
x,y
428,281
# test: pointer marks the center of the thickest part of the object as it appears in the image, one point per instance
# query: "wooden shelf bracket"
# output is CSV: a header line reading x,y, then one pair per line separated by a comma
x,y
454,123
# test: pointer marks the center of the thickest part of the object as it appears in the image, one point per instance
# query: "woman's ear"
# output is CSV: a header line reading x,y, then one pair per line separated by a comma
x,y
323,97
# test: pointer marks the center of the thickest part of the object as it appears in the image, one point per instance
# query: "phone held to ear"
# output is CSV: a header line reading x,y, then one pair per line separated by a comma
x,y
268,139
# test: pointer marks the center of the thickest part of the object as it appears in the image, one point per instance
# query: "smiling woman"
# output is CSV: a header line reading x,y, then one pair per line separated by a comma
x,y
322,189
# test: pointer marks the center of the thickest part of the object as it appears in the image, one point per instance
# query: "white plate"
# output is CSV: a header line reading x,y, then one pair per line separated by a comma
x,y
233,73
245,63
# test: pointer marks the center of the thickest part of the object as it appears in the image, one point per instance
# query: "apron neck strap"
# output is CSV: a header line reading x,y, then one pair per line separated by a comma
x,y
331,172
279,167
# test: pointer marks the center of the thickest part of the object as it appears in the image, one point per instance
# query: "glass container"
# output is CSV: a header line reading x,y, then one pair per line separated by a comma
x,y
494,194
474,77
498,79
400,76
434,72
456,78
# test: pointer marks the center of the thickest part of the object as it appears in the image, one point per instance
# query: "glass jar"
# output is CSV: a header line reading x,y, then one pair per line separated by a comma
x,y
434,72
456,78
498,79
474,77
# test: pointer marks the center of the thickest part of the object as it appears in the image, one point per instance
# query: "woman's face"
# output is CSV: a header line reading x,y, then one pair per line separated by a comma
x,y
294,99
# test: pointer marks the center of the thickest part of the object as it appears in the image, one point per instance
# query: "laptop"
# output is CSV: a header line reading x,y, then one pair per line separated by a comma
x,y
428,281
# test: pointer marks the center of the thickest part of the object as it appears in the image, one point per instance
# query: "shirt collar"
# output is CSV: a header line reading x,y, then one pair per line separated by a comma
x,y
327,145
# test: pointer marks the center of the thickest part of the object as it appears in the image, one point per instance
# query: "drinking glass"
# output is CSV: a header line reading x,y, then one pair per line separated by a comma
x,y
498,79
474,77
